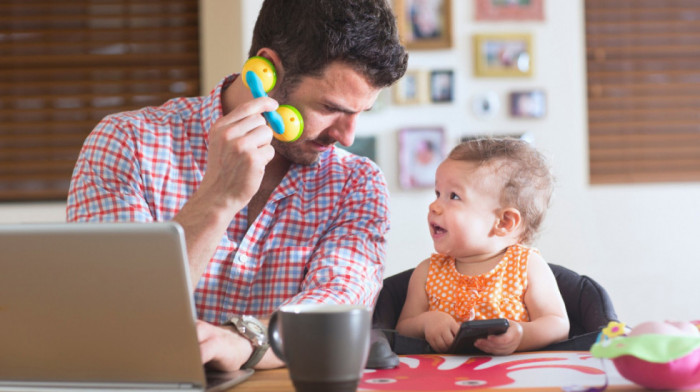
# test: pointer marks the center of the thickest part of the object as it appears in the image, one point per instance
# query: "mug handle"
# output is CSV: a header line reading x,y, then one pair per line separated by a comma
x,y
274,337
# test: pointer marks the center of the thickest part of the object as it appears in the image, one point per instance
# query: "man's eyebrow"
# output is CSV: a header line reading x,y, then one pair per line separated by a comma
x,y
341,109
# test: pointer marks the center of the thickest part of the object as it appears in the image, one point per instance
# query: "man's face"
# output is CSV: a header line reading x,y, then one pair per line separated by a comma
x,y
329,106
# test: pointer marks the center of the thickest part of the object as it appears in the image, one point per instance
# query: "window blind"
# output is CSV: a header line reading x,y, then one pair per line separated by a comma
x,y
66,64
643,66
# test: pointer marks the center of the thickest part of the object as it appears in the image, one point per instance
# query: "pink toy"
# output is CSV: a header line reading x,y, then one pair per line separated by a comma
x,y
655,355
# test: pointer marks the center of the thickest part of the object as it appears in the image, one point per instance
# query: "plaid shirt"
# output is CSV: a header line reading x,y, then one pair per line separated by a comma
x,y
320,237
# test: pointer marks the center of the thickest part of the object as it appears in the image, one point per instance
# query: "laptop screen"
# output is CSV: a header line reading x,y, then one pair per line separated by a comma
x,y
97,303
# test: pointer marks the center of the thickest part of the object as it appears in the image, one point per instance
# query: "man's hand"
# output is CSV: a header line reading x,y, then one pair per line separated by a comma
x,y
239,150
222,348
503,344
440,330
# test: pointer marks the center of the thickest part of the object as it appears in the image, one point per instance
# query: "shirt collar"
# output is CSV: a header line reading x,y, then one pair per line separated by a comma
x,y
299,174
211,109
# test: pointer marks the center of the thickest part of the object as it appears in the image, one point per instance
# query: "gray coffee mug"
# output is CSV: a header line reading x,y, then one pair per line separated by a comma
x,y
325,346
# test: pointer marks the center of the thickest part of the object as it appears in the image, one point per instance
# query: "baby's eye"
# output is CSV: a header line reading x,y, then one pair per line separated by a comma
x,y
453,196
437,194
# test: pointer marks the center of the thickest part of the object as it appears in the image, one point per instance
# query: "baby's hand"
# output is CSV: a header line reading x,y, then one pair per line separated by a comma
x,y
440,330
503,344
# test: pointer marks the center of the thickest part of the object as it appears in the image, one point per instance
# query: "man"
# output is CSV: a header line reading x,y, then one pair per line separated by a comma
x,y
266,223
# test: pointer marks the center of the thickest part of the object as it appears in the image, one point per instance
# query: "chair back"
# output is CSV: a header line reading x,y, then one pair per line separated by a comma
x,y
588,306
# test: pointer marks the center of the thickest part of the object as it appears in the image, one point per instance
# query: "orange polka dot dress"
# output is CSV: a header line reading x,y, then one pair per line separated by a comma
x,y
498,293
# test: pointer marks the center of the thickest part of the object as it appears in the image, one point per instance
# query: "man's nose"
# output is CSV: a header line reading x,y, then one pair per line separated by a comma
x,y
343,130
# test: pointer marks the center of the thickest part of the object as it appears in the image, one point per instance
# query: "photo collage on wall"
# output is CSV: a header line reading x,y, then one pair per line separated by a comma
x,y
507,55
426,25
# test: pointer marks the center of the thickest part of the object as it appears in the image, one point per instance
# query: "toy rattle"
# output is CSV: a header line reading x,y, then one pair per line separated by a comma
x,y
260,77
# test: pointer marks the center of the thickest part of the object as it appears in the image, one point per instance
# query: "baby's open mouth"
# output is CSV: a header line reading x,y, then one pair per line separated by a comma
x,y
437,229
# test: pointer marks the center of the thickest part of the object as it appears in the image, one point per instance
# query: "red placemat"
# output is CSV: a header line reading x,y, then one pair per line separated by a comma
x,y
522,371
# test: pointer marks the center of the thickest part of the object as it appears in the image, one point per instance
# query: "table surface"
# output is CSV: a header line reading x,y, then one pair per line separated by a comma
x,y
536,371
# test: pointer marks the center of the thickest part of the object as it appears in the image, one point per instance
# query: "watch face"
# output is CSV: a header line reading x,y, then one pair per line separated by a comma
x,y
254,330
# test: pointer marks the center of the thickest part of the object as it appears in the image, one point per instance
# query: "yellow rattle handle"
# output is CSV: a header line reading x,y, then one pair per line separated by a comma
x,y
260,77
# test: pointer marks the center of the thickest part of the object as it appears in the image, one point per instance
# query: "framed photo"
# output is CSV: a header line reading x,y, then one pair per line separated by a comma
x,y
527,104
365,146
441,86
486,105
424,24
411,89
420,152
509,9
503,55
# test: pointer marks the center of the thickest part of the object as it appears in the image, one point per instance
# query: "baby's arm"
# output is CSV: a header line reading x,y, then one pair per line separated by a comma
x,y
548,323
438,328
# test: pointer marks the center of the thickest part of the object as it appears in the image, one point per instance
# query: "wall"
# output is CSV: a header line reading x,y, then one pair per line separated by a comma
x,y
636,240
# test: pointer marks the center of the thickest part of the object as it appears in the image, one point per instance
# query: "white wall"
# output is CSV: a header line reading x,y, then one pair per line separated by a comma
x,y
32,212
636,240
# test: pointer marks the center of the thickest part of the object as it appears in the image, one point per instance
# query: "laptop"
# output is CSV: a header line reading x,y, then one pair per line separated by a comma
x,y
103,306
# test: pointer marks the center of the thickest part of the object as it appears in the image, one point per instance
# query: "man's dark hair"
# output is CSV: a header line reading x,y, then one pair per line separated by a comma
x,y
308,35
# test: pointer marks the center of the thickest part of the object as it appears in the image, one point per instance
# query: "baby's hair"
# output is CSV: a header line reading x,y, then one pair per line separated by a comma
x,y
527,180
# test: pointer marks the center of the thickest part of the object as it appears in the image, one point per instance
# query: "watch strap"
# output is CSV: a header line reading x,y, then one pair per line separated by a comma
x,y
256,356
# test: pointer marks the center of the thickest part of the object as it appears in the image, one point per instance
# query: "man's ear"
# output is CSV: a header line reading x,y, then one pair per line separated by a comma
x,y
274,59
508,222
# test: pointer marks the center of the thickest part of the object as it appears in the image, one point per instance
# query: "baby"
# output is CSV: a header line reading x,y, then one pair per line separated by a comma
x,y
491,196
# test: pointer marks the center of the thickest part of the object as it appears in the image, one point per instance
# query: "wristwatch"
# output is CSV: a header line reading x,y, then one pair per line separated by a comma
x,y
252,329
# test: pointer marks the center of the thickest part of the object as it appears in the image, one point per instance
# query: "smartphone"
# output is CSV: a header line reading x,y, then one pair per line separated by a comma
x,y
469,331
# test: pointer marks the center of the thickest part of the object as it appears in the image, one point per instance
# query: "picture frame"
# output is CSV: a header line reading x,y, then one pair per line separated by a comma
x,y
365,146
527,104
421,150
503,55
518,10
424,24
442,86
411,89
486,105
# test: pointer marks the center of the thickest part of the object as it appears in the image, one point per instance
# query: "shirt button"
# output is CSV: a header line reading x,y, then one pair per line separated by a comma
x,y
242,258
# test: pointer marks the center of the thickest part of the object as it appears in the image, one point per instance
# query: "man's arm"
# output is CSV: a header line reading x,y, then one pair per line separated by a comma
x,y
106,185
348,263
225,349
346,267
239,149
109,181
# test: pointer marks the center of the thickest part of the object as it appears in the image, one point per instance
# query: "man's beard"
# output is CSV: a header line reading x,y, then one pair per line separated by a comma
x,y
292,150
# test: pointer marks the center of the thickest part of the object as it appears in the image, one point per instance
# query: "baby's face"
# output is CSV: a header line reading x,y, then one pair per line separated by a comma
x,y
465,210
